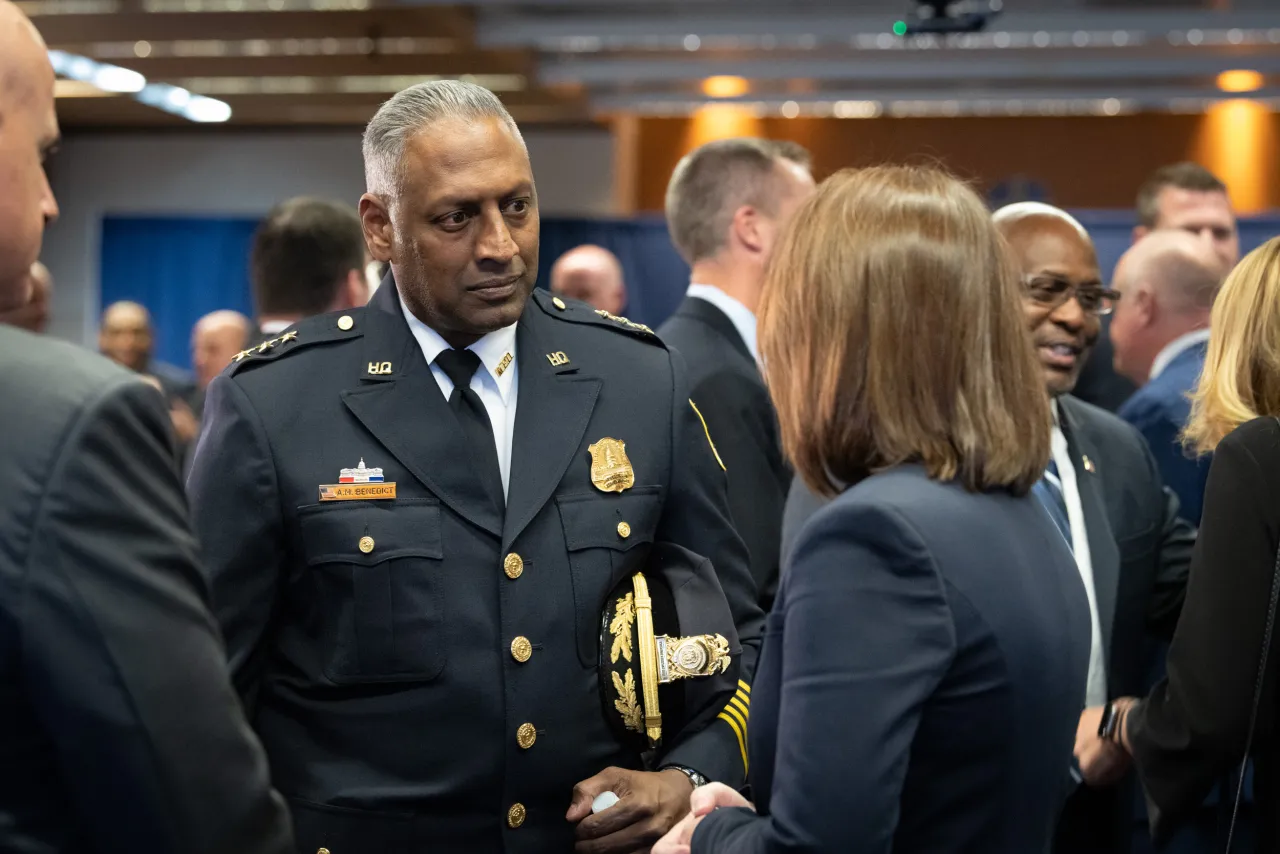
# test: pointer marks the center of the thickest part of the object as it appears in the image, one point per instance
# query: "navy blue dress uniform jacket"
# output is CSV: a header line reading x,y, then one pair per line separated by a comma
x,y
1160,410
922,675
120,732
727,384
390,677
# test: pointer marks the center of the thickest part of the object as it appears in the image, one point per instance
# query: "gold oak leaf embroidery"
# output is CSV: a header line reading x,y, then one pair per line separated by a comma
x,y
626,703
620,628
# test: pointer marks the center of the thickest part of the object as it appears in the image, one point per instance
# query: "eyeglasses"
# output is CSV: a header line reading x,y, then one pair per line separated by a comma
x,y
1050,292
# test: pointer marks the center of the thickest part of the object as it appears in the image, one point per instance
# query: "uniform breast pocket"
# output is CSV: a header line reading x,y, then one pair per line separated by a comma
x,y
377,575
607,536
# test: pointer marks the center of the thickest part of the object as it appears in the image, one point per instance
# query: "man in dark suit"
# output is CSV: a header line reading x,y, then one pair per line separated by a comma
x,y
1182,196
119,728
413,512
1160,332
308,258
1104,489
726,203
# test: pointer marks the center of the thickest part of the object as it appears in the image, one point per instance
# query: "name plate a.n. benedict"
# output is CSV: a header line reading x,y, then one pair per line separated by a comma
x,y
357,491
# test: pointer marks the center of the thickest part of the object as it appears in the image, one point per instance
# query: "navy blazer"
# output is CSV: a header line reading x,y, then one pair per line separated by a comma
x,y
1159,410
931,645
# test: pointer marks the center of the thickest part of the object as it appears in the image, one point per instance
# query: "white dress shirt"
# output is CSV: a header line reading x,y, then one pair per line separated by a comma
x,y
1175,348
274,327
498,392
742,318
1096,684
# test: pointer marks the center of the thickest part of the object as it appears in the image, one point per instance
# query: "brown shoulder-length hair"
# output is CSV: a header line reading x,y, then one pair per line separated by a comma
x,y
892,332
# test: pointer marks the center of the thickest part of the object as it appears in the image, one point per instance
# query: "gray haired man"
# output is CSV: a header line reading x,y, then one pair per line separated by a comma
x,y
415,513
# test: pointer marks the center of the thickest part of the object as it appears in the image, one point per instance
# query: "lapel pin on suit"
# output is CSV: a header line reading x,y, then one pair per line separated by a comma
x,y
1088,464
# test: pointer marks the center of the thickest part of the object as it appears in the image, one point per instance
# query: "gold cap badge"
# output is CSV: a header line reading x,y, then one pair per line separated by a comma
x,y
610,469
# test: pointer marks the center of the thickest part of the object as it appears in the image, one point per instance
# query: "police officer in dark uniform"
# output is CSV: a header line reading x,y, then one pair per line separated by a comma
x,y
415,513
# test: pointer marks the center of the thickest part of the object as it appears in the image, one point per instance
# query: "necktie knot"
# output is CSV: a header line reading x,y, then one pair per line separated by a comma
x,y
459,366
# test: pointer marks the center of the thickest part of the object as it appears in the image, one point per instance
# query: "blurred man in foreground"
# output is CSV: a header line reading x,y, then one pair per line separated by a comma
x,y
592,274
119,730
33,315
1160,334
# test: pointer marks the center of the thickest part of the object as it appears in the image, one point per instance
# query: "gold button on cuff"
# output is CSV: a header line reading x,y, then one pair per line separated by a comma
x,y
516,816
526,735
345,322
366,544
521,649
513,566
624,530
558,303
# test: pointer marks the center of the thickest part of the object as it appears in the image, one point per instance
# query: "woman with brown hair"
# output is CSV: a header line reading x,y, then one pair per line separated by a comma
x,y
1218,700
924,664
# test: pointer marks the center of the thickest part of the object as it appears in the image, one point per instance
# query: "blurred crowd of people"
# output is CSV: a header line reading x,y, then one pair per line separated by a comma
x,y
909,530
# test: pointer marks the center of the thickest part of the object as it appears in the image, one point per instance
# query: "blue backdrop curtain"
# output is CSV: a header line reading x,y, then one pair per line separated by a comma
x,y
181,268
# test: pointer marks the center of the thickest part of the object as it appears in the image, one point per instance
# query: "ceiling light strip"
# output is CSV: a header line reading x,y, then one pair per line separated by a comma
x,y
163,96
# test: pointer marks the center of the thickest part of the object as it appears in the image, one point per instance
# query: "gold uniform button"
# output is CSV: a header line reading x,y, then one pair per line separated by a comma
x,y
366,544
558,303
516,816
323,851
521,649
513,566
345,322
624,530
526,735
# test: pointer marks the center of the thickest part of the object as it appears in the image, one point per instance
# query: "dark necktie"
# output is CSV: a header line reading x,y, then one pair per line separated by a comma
x,y
460,366
1049,491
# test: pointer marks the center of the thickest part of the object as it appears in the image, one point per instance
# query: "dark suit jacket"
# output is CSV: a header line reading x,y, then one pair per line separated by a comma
x,y
382,680
119,729
920,681
1159,410
1192,730
1139,547
726,385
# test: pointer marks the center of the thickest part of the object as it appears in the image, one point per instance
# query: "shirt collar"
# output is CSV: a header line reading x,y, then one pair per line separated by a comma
x,y
492,349
271,327
1176,348
739,315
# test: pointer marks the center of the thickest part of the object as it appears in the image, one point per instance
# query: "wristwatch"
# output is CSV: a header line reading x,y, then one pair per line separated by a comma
x,y
694,777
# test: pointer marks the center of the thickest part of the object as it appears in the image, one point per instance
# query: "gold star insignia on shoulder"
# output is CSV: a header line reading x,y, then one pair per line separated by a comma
x,y
287,337
239,357
628,323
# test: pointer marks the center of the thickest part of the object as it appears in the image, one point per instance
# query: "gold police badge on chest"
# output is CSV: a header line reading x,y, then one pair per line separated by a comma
x,y
610,469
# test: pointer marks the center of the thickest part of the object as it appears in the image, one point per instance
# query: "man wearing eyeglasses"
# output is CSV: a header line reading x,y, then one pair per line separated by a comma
x,y
1104,489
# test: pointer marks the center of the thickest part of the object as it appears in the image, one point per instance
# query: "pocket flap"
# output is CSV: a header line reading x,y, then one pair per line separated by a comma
x,y
598,520
334,534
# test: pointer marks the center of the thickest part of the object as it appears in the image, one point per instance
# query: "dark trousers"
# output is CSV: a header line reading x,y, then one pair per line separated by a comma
x,y
1096,821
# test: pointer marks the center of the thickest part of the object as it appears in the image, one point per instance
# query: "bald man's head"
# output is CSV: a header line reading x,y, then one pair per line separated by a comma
x,y
592,274
1168,280
1062,287
28,131
125,336
216,338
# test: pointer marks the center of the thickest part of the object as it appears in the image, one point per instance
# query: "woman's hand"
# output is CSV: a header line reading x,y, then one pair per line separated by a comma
x,y
702,802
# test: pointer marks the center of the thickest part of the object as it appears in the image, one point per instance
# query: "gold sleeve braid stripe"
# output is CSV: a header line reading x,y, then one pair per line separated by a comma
x,y
708,432
736,715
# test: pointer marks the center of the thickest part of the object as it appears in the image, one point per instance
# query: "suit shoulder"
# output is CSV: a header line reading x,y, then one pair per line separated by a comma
x,y
53,374
1260,437
574,311
1098,420
310,333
